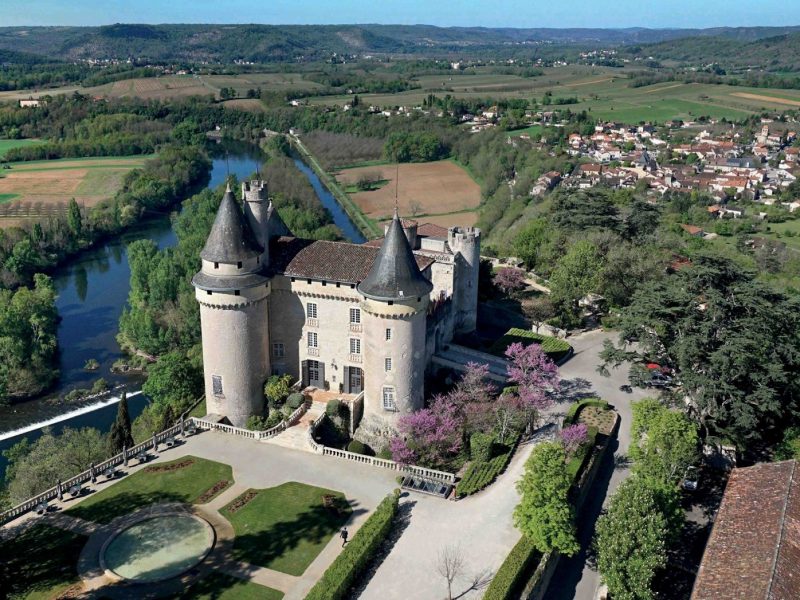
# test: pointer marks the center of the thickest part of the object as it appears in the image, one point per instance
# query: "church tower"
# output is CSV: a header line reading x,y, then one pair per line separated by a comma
x,y
395,306
232,290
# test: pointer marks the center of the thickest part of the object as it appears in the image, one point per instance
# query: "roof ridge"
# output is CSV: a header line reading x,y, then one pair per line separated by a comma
x,y
782,529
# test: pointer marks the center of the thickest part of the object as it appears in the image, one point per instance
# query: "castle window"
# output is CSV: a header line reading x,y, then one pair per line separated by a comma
x,y
208,292
235,292
278,351
388,334
387,364
311,310
239,265
324,283
216,384
355,315
216,265
390,303
355,346
388,398
338,284
312,339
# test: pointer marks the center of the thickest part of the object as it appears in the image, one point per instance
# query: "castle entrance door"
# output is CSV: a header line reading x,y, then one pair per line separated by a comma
x,y
356,380
315,376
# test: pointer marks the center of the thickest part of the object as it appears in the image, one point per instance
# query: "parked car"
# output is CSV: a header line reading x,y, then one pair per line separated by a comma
x,y
690,479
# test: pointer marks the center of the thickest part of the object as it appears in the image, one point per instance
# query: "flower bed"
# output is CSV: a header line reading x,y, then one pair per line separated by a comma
x,y
555,348
166,468
241,501
213,491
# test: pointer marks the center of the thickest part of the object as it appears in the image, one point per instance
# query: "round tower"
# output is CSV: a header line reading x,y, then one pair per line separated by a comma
x,y
465,242
257,211
232,292
394,309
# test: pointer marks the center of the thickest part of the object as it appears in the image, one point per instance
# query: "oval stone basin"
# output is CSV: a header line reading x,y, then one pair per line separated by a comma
x,y
158,548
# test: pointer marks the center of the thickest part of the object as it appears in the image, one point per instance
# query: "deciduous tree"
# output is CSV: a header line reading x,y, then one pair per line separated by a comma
x,y
544,513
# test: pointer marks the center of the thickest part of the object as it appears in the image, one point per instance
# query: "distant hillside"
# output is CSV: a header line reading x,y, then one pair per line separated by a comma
x,y
270,43
774,53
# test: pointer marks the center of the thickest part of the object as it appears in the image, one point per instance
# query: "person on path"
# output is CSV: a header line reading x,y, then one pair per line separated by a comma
x,y
344,536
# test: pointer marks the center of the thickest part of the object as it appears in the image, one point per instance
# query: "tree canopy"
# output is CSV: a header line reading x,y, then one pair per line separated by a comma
x,y
732,341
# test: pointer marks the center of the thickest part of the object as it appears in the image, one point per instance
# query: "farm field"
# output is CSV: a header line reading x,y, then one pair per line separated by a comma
x,y
6,145
37,189
434,188
174,86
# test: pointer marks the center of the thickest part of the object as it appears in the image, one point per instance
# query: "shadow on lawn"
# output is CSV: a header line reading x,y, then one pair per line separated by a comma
x,y
38,560
315,525
106,510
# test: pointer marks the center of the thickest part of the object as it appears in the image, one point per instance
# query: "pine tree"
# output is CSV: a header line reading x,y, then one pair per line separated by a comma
x,y
121,435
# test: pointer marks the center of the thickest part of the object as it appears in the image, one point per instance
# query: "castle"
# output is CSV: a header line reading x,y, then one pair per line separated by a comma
x,y
338,316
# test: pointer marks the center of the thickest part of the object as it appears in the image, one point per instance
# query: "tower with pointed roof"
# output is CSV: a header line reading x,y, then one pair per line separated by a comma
x,y
233,288
395,302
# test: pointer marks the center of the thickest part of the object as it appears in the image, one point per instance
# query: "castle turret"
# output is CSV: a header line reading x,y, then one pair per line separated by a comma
x,y
256,208
465,242
395,302
232,291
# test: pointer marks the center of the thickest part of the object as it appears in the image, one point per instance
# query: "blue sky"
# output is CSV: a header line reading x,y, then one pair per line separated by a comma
x,y
493,13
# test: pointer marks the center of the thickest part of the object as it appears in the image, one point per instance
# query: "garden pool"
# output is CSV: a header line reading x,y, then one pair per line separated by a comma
x,y
158,548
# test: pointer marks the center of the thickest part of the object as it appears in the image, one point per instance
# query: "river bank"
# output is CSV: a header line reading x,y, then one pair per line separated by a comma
x,y
92,293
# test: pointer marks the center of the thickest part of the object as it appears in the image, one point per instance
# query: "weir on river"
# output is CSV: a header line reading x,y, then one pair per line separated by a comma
x,y
92,292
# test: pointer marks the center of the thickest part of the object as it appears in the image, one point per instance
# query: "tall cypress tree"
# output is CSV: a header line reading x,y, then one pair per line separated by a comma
x,y
121,435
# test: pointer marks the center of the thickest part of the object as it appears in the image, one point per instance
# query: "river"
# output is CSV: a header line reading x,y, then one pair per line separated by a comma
x,y
92,292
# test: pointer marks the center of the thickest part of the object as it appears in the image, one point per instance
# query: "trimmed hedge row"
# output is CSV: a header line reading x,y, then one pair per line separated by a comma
x,y
480,474
511,575
554,347
339,578
572,412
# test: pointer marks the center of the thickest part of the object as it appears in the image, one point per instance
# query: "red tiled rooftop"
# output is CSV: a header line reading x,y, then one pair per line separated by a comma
x,y
754,548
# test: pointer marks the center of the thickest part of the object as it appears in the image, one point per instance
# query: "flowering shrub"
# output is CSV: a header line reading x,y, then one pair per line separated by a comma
x,y
574,436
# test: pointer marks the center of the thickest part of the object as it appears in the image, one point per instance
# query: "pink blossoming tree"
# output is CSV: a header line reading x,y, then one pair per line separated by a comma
x,y
509,280
574,436
535,374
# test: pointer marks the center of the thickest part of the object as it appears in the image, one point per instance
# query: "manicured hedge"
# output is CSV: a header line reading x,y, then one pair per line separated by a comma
x,y
572,411
295,400
339,578
480,474
512,574
555,348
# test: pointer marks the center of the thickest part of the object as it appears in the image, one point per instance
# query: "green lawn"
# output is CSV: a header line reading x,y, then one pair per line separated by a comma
x,y
532,131
555,348
6,145
39,564
284,528
219,586
7,197
184,484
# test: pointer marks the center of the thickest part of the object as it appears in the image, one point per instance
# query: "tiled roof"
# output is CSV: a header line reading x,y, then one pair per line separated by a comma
x,y
328,261
754,548
431,230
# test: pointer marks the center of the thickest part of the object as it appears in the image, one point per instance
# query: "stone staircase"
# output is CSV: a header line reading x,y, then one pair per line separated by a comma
x,y
296,436
457,357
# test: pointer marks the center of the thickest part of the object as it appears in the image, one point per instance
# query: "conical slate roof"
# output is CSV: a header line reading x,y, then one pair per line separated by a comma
x,y
275,223
395,274
231,240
